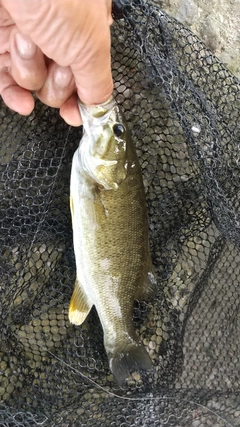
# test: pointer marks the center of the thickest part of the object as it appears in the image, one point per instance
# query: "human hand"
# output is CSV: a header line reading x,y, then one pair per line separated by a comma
x,y
57,48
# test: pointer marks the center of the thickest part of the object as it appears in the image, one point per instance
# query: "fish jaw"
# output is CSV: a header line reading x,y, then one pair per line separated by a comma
x,y
93,166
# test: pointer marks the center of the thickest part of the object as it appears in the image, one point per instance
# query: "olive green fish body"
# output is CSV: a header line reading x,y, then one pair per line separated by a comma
x,y
110,232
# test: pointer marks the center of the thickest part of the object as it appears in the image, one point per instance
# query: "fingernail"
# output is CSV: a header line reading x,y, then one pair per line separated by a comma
x,y
25,46
63,76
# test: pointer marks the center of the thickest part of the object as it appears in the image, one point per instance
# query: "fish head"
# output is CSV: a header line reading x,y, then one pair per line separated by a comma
x,y
103,147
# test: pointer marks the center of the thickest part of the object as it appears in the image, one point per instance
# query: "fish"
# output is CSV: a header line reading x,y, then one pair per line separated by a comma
x,y
110,235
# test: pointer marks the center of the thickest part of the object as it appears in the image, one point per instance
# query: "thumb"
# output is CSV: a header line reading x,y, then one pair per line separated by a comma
x,y
93,75
92,69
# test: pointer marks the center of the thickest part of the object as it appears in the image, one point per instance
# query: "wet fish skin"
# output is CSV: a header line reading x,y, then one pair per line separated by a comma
x,y
110,234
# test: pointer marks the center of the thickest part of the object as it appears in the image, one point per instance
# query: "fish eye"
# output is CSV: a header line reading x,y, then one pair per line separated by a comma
x,y
118,129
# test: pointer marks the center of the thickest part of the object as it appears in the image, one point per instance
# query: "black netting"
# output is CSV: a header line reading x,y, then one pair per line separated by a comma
x,y
182,107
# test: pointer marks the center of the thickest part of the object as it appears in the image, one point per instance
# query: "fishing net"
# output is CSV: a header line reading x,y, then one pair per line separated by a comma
x,y
182,107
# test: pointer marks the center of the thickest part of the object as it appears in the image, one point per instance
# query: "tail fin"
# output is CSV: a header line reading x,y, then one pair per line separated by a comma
x,y
133,357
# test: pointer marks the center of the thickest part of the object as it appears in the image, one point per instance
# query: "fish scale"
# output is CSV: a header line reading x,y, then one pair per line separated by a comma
x,y
110,235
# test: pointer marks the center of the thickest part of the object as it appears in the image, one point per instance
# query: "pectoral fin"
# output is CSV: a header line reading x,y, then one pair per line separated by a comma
x,y
79,305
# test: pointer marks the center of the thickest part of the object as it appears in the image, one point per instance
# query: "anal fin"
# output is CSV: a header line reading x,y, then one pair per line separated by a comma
x,y
79,306
148,287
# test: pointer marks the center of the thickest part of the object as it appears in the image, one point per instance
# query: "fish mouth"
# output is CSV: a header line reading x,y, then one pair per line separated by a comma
x,y
95,113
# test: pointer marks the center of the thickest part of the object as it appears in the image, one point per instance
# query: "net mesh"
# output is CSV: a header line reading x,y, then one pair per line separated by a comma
x,y
182,107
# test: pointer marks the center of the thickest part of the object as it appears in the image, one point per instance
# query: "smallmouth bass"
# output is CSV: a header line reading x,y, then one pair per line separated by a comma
x,y
110,235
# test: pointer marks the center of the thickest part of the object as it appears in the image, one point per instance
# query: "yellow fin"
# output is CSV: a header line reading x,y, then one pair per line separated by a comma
x,y
79,306
71,205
